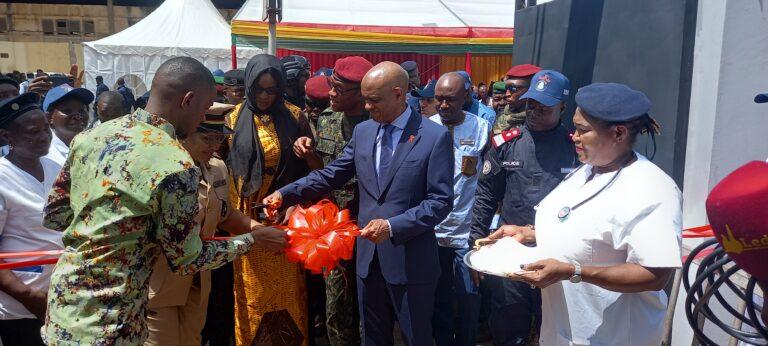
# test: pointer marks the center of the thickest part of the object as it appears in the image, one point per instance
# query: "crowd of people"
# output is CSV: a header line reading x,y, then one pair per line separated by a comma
x,y
162,207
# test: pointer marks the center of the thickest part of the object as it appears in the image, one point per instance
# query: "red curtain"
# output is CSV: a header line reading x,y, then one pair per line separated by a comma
x,y
429,65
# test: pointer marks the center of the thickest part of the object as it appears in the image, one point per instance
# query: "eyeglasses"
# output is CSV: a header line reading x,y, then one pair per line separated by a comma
x,y
338,89
515,88
68,112
270,91
314,104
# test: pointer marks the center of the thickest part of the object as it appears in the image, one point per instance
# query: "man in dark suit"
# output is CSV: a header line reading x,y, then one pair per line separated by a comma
x,y
404,166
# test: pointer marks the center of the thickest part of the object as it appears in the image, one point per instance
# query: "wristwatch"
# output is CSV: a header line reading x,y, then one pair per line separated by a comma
x,y
576,277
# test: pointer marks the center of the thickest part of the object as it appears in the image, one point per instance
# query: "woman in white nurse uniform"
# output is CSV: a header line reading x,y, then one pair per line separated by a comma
x,y
612,228
26,178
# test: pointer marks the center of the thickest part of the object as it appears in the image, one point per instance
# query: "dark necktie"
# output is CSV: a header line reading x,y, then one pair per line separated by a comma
x,y
385,153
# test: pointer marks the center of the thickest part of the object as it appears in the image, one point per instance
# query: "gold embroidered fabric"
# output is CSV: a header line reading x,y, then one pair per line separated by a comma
x,y
265,282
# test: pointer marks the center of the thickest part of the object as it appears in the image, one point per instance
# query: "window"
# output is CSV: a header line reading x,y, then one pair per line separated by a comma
x,y
4,55
3,25
89,29
48,27
74,27
62,27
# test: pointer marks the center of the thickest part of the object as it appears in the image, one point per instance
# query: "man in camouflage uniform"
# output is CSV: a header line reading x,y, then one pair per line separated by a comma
x,y
517,83
316,101
334,130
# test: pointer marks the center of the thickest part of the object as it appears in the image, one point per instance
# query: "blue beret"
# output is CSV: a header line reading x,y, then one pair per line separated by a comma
x,y
467,79
761,98
426,92
612,102
14,107
409,66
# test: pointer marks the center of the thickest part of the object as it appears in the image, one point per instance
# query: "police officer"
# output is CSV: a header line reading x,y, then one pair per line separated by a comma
x,y
234,86
296,75
334,130
521,167
517,82
317,101
177,304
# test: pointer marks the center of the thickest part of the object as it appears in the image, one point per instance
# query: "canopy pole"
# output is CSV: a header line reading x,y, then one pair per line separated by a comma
x,y
234,52
272,40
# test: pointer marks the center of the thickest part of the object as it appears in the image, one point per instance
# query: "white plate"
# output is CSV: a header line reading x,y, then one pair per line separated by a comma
x,y
504,256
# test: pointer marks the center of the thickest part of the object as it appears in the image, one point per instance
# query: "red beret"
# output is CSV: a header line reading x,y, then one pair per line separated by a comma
x,y
736,211
524,70
352,68
317,88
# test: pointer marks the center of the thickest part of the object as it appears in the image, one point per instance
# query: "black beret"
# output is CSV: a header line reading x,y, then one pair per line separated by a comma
x,y
234,77
14,107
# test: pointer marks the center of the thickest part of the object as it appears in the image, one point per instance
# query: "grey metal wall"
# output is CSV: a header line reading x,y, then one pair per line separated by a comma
x,y
647,45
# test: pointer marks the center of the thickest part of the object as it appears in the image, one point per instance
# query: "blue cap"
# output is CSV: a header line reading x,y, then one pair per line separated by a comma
x,y
324,71
428,91
467,79
612,102
761,98
66,90
549,87
409,66
218,73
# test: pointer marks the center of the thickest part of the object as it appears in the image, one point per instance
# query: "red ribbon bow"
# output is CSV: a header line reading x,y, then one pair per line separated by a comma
x,y
320,236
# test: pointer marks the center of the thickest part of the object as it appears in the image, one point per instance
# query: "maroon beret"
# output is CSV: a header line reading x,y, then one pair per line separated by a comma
x,y
522,71
352,68
317,88
736,211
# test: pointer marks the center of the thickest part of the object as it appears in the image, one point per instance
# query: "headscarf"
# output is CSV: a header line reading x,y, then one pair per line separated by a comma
x,y
247,155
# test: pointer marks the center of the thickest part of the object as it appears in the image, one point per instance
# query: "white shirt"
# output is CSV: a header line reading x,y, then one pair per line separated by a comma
x,y
22,198
637,219
469,139
58,151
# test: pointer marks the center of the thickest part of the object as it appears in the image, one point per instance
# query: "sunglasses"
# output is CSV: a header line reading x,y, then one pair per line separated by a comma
x,y
269,91
515,88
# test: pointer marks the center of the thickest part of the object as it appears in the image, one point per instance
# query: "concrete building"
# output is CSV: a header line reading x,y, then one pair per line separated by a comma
x,y
47,34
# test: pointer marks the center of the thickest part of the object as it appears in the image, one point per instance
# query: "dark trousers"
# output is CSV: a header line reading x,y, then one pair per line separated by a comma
x,y
457,301
382,303
219,327
21,332
515,311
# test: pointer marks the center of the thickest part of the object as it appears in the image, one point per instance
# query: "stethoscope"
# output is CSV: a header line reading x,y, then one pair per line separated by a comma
x,y
566,211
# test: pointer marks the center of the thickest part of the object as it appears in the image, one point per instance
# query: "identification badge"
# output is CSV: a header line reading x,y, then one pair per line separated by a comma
x,y
466,142
514,164
469,165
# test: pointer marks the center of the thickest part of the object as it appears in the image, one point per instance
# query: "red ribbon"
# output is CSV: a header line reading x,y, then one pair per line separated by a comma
x,y
320,236
699,232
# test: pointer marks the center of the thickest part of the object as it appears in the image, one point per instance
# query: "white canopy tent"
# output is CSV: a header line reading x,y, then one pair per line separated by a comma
x,y
191,28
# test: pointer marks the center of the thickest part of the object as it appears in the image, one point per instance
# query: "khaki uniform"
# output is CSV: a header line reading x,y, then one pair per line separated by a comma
x,y
178,304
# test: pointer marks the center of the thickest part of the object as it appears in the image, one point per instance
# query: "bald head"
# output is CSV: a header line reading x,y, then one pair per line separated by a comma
x,y
451,95
182,90
384,88
109,106
180,75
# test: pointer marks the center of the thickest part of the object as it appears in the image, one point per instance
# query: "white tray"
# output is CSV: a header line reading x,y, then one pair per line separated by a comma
x,y
504,256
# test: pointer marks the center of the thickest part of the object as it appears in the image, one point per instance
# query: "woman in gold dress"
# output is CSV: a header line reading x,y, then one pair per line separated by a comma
x,y
270,292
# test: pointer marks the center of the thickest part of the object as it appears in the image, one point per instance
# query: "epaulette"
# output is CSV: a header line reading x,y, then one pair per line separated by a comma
x,y
505,136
